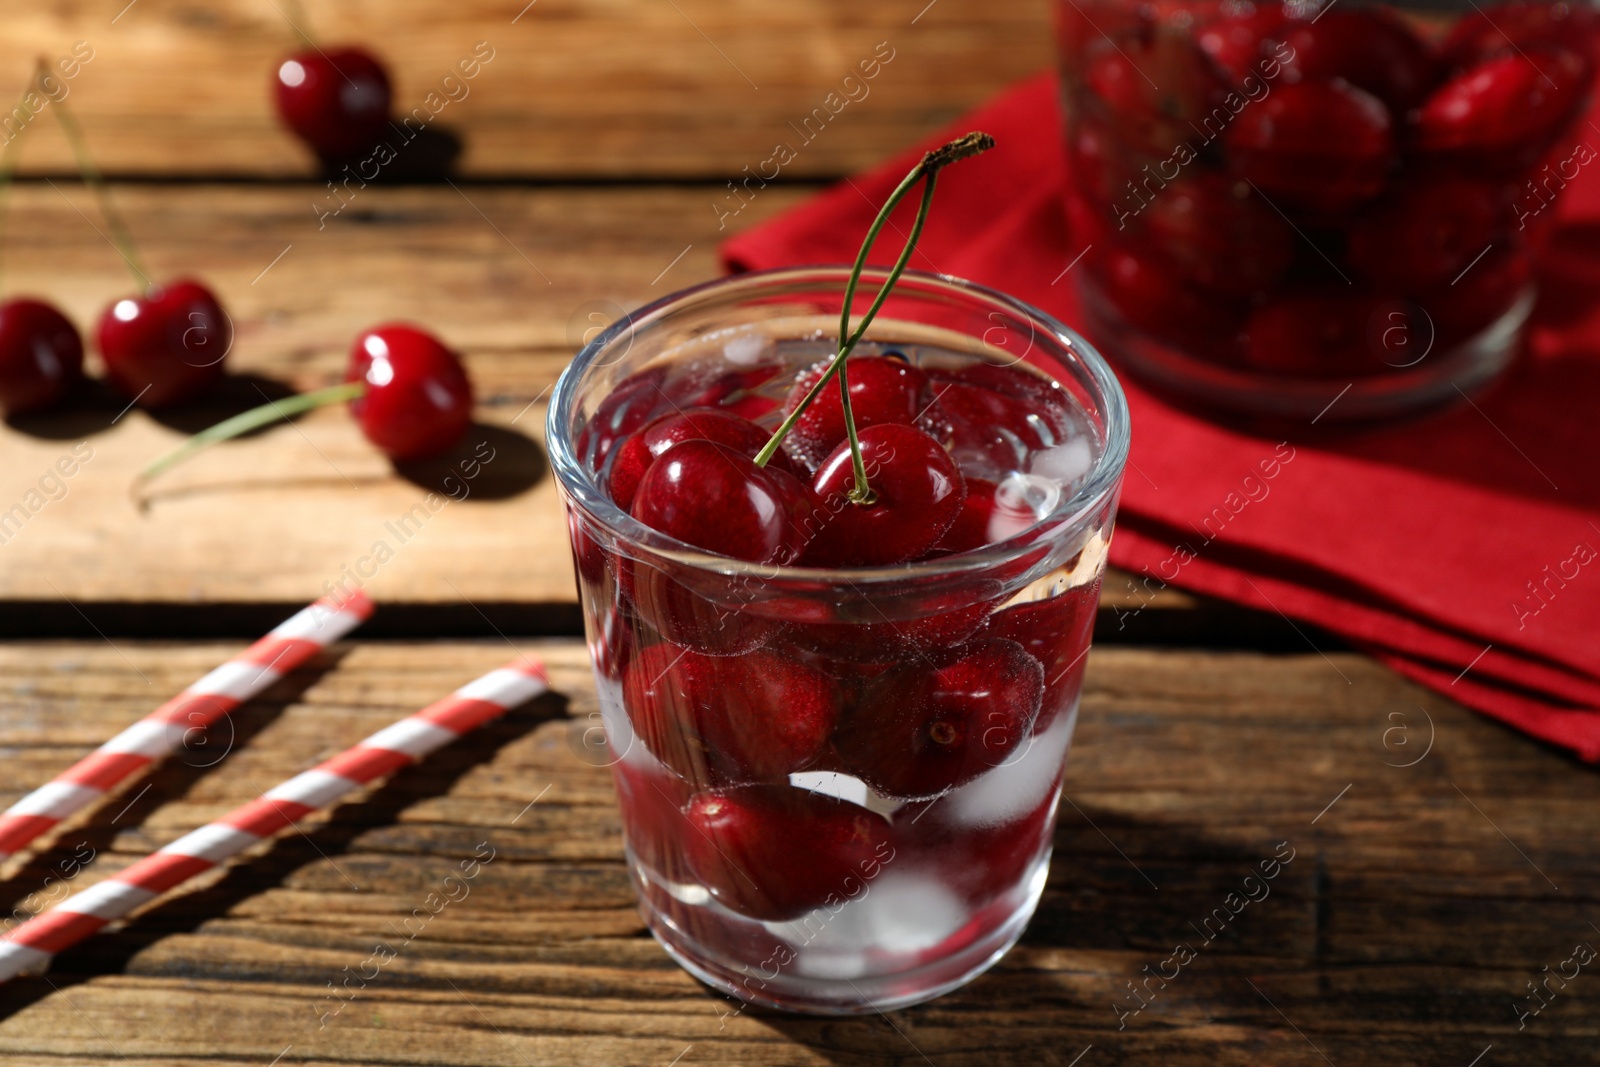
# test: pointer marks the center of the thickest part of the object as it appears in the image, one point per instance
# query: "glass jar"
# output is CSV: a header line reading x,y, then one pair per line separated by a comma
x,y
1285,203
877,874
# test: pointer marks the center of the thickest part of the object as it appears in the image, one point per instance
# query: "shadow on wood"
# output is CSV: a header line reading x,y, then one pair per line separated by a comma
x,y
489,463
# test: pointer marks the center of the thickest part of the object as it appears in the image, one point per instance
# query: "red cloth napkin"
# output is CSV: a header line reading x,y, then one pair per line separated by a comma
x,y
1463,549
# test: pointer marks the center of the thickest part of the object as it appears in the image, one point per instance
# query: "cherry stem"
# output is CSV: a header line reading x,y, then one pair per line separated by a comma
x,y
270,412
928,167
8,167
120,237
295,16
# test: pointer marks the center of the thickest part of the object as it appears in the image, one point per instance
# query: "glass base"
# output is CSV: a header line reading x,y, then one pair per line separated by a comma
x,y
1211,388
956,960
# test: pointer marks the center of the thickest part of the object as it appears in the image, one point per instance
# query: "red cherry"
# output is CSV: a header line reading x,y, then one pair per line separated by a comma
x,y
1236,42
710,496
637,453
931,729
1049,405
1332,332
707,619
1423,233
337,101
1485,292
651,801
980,864
167,346
980,427
1496,29
1055,631
1322,147
1502,114
918,491
1146,296
1077,28
882,389
41,356
634,402
775,852
1157,89
720,720
1218,233
418,400
1371,47
971,528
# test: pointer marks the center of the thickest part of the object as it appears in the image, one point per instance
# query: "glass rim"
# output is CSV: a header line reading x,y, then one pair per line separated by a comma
x,y
1093,491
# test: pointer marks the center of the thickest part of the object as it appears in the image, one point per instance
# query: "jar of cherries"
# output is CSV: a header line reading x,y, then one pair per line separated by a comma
x,y
1287,202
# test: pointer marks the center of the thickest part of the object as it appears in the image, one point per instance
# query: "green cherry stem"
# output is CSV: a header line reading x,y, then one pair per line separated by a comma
x,y
120,237
8,168
270,412
862,493
928,167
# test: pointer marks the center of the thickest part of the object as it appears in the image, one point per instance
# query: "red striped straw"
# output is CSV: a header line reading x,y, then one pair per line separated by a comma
x,y
32,943
161,733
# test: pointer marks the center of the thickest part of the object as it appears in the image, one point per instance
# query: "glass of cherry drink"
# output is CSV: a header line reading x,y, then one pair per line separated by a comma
x,y
837,720
1283,201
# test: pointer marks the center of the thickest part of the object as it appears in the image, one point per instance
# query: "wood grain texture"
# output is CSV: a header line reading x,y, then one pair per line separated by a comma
x,y
1419,902
514,277
674,89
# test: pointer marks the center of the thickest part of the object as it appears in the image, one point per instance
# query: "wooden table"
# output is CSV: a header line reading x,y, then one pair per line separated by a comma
x,y
1440,863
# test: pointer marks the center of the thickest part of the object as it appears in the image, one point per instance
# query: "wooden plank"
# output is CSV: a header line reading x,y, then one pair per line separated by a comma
x,y
692,88
1419,901
272,518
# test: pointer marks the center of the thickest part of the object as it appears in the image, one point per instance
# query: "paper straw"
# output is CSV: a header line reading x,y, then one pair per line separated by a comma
x,y
33,942
161,733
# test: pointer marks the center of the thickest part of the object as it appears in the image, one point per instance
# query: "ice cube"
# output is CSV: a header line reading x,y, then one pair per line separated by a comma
x,y
745,350
1020,501
900,913
832,784
621,742
1016,786
1065,464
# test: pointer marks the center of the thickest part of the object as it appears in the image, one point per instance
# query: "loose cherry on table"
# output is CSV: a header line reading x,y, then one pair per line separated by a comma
x,y
41,356
166,346
774,852
337,100
409,394
416,399
932,728
757,717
